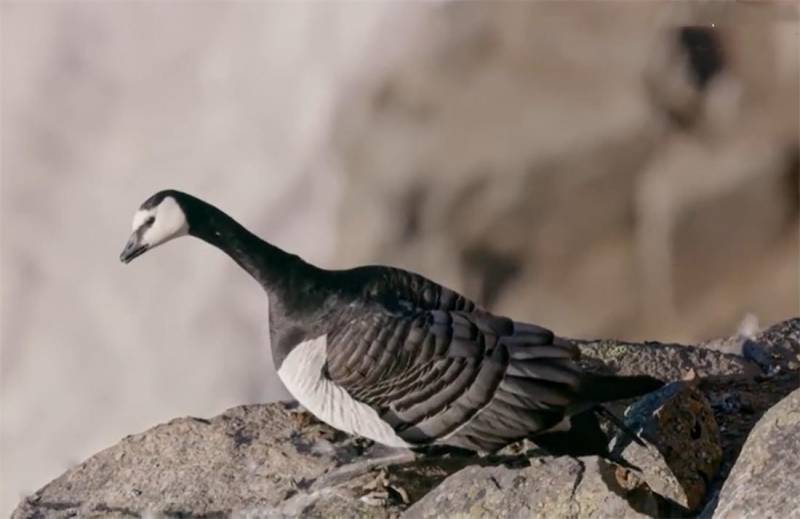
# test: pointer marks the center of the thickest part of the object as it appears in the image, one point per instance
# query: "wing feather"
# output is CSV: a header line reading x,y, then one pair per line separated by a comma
x,y
437,367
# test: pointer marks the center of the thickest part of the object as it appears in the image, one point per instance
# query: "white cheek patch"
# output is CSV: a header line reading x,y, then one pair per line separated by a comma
x,y
140,217
169,222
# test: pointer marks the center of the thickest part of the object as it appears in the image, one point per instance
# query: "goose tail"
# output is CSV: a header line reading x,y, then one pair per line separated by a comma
x,y
607,388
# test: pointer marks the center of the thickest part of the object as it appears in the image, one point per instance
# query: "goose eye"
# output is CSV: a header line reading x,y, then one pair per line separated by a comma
x,y
150,221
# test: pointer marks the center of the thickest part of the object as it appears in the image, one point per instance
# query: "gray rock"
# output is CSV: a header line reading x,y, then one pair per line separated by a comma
x,y
252,460
776,349
664,361
682,450
738,404
763,482
548,487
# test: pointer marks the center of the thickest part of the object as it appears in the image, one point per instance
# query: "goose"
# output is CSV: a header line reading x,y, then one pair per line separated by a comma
x,y
392,356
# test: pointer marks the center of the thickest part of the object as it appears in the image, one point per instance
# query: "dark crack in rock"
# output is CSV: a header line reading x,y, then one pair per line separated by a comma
x,y
745,436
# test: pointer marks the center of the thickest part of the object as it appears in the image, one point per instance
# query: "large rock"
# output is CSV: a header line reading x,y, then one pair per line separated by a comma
x,y
259,460
548,487
764,479
681,449
739,401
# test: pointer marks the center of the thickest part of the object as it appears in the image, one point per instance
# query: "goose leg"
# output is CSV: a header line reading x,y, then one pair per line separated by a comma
x,y
377,456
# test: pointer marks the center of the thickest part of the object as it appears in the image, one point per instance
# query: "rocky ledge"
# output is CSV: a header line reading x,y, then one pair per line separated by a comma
x,y
726,397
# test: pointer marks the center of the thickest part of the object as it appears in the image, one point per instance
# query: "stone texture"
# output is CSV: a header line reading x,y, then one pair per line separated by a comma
x,y
738,403
548,487
255,460
774,350
682,450
664,361
763,482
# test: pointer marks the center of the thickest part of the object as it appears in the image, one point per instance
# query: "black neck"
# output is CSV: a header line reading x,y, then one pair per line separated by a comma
x,y
268,264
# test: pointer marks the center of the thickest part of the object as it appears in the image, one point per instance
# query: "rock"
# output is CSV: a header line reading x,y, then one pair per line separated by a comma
x,y
664,361
258,460
775,349
738,403
763,482
548,487
682,450
738,390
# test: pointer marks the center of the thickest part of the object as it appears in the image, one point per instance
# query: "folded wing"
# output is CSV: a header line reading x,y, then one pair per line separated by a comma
x,y
467,379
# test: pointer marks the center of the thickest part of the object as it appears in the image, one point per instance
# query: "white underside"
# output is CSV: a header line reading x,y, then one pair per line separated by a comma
x,y
301,373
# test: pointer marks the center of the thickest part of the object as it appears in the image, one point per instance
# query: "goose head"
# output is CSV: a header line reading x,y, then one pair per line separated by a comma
x,y
159,219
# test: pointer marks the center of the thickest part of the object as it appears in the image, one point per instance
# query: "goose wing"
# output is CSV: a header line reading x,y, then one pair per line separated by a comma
x,y
463,378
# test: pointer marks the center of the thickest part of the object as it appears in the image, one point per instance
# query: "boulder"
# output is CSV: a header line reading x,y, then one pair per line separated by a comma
x,y
764,480
681,450
255,460
547,487
739,402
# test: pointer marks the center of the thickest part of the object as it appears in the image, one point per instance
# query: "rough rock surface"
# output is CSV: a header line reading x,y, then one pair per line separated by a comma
x,y
682,450
774,350
274,460
664,361
764,480
250,460
740,401
548,487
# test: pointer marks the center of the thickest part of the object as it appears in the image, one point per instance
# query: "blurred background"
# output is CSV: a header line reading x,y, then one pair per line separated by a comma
x,y
610,169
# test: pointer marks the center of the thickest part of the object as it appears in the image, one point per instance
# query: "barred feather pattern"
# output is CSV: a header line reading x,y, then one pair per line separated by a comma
x,y
441,370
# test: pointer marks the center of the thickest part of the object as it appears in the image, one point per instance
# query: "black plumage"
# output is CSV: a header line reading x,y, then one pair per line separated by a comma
x,y
434,365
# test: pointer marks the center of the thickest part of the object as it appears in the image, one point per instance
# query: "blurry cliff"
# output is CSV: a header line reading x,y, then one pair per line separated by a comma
x,y
609,169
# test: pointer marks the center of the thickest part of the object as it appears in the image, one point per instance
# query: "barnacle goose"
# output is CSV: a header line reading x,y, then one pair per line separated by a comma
x,y
392,356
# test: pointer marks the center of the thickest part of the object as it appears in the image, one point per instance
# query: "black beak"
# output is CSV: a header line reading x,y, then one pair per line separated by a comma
x,y
132,249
